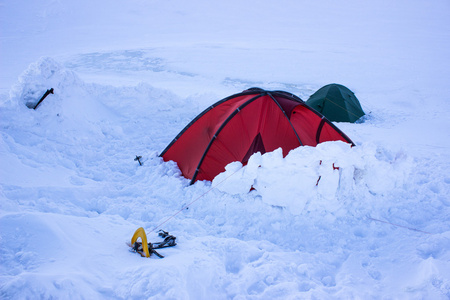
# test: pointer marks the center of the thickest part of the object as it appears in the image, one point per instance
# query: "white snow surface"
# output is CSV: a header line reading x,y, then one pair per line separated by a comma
x,y
326,222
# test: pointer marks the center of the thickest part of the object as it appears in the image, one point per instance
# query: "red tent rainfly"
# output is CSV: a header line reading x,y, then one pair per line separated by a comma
x,y
242,124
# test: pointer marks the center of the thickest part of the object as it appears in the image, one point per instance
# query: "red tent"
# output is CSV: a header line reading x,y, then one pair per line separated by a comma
x,y
242,124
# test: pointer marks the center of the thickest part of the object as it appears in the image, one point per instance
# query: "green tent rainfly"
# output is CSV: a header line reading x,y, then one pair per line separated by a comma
x,y
337,103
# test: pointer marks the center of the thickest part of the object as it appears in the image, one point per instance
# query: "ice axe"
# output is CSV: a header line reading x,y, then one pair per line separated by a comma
x,y
50,91
138,158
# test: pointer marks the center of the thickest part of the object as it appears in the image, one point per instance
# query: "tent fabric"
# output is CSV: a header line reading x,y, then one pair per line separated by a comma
x,y
242,124
337,103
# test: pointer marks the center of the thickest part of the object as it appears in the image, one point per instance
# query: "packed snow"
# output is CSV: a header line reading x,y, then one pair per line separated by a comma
x,y
328,222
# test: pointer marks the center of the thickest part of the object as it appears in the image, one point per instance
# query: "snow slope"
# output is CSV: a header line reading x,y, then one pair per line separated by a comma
x,y
128,78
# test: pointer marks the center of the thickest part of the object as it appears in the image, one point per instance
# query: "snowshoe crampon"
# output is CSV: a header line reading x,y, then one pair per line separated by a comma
x,y
146,249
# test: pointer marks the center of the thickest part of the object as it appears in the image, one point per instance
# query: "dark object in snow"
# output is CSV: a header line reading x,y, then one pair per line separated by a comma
x,y
337,103
146,249
50,91
138,158
245,123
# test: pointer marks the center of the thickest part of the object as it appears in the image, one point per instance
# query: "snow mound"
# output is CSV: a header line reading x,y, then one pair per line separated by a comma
x,y
40,76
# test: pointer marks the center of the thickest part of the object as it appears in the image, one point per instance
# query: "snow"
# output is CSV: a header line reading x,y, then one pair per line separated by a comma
x,y
325,222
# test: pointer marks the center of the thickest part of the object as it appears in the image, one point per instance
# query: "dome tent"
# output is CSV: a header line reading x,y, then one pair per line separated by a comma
x,y
245,123
337,103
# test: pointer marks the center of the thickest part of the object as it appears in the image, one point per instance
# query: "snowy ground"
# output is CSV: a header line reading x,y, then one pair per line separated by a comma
x,y
128,78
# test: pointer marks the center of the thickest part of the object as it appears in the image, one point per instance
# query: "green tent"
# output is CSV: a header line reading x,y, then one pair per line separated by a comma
x,y
337,103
